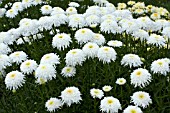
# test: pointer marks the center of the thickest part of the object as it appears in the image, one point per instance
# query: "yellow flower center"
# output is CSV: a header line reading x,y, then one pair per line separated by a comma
x,y
28,64
96,91
60,36
141,96
70,9
83,31
70,91
47,57
73,52
46,7
12,75
51,103
43,67
133,111
110,101
139,73
155,14
160,63
90,46
16,54
106,49
68,70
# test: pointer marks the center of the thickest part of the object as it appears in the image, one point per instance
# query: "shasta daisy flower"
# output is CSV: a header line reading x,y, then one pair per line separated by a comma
x,y
71,11
157,40
106,88
17,6
140,77
141,99
160,67
115,43
18,57
46,9
84,35
68,71
61,41
4,61
132,60
98,39
90,49
73,4
45,71
106,54
11,13
53,104
96,93
110,105
50,58
120,81
4,49
14,80
132,109
71,95
28,66
75,57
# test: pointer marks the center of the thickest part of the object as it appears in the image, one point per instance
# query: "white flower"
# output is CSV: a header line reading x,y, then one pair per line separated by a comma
x,y
77,21
14,80
132,60
68,71
120,81
28,66
46,9
50,58
166,32
84,35
140,77
2,12
4,49
53,104
155,16
18,57
115,43
106,54
110,105
110,26
121,6
17,6
75,57
132,109
4,61
157,40
36,2
141,99
11,13
57,10
73,4
90,49
71,11
61,41
92,19
58,19
27,3
45,22
28,27
96,93
106,88
98,39
45,71
141,34
71,95
160,67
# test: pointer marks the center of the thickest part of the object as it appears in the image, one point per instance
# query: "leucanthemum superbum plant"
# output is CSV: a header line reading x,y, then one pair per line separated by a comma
x,y
87,56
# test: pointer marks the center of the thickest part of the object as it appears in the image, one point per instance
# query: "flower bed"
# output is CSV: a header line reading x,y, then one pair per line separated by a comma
x,y
86,57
